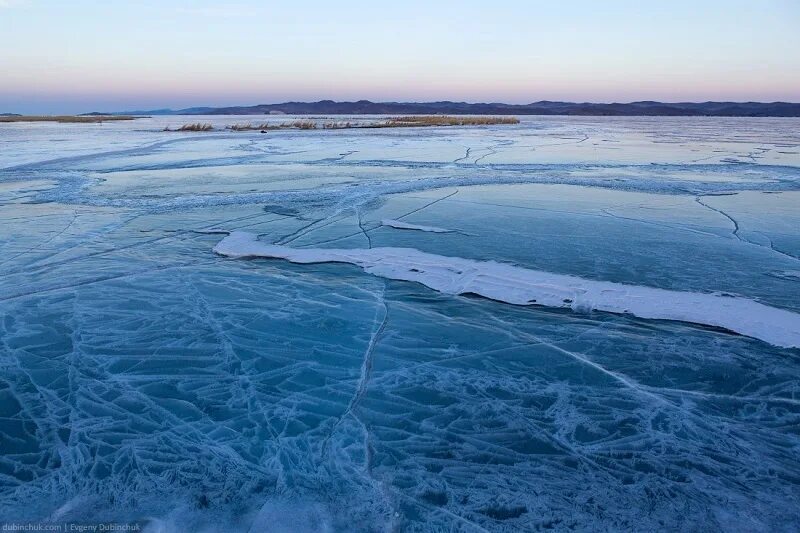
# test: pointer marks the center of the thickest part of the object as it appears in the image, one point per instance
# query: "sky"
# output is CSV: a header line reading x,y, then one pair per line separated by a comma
x,y
71,56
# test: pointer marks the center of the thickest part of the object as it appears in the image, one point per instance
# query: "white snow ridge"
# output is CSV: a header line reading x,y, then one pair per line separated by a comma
x,y
521,286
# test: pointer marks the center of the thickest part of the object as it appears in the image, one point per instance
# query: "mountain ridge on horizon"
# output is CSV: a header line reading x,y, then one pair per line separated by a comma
x,y
542,107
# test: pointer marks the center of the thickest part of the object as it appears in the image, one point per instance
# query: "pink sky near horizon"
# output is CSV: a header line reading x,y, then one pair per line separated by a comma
x,y
152,54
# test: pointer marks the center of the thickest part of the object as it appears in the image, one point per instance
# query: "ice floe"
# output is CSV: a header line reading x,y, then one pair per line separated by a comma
x,y
521,286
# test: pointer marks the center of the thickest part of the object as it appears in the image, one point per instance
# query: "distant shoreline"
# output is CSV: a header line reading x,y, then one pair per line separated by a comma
x,y
71,119
366,107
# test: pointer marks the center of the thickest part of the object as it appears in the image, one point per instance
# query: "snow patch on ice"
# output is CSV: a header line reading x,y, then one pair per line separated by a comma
x,y
399,224
521,286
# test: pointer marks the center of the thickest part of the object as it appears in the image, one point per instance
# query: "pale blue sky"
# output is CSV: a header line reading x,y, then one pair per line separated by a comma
x,y
75,56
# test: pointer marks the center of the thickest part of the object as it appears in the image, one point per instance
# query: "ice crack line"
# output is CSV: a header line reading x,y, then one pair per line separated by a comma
x,y
726,215
366,371
492,150
366,366
466,155
736,229
361,226
428,205
308,228
774,249
36,267
366,231
572,141
46,242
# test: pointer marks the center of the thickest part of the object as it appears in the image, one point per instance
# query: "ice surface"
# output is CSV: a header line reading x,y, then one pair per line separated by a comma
x,y
143,377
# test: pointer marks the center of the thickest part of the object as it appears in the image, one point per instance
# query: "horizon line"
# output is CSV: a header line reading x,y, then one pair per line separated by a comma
x,y
499,104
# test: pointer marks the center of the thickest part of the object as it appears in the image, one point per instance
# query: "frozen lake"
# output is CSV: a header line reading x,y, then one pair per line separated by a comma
x,y
569,323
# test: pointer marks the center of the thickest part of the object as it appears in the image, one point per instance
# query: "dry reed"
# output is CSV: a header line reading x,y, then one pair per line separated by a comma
x,y
196,126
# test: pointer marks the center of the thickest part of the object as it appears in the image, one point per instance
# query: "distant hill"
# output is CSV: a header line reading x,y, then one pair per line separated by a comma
x,y
365,107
